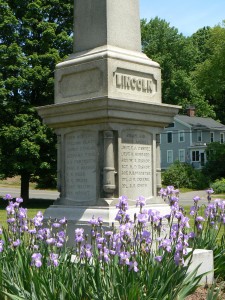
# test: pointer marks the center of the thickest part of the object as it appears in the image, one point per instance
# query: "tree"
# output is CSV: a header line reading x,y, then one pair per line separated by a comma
x,y
25,149
177,56
210,75
34,37
215,166
200,40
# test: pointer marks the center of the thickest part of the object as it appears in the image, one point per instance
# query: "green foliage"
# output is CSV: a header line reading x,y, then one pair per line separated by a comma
x,y
76,278
177,56
219,186
215,165
211,236
27,148
209,74
200,40
183,175
34,37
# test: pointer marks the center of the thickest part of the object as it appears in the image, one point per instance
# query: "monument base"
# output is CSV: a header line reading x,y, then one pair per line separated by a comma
x,y
79,216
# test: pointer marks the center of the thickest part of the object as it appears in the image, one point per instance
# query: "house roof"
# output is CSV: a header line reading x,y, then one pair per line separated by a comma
x,y
200,122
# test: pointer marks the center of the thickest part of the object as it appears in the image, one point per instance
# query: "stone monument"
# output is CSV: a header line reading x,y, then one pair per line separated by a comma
x,y
108,115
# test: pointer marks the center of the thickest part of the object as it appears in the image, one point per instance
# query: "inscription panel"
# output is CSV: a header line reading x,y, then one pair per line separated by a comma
x,y
81,166
135,82
136,164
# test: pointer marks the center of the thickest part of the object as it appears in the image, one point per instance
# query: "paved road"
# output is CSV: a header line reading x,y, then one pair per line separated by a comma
x,y
34,194
185,198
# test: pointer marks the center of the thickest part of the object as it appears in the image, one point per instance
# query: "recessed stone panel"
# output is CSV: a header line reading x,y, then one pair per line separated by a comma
x,y
136,164
79,83
81,166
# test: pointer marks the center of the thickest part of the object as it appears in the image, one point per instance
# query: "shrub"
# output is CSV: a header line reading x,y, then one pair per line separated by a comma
x,y
183,175
219,186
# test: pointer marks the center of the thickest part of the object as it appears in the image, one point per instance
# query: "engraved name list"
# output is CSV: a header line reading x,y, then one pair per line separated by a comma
x,y
136,163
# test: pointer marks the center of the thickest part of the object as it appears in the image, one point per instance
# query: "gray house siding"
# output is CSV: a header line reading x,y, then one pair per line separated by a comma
x,y
187,138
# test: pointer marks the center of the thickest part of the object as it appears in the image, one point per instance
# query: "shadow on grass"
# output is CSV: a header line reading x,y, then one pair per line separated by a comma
x,y
32,203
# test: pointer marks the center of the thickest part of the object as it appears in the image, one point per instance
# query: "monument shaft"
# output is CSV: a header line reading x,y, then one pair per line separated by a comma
x,y
108,115
98,23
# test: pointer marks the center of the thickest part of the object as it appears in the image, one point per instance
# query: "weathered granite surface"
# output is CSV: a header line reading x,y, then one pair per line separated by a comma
x,y
108,115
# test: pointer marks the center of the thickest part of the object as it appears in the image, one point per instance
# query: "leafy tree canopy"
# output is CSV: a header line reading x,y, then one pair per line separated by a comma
x,y
177,56
34,37
215,166
210,75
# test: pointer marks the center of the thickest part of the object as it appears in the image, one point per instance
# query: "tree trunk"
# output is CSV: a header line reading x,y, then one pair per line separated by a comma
x,y
24,192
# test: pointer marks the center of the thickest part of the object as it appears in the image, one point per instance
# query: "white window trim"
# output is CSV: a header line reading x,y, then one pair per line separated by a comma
x,y
179,135
167,156
180,151
221,134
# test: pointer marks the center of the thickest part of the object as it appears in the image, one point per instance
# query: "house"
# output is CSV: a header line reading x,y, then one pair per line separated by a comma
x,y
186,139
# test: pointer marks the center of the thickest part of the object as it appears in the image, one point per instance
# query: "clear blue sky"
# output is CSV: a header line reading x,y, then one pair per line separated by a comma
x,y
186,15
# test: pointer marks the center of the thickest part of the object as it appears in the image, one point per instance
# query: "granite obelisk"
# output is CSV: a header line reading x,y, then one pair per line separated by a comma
x,y
108,115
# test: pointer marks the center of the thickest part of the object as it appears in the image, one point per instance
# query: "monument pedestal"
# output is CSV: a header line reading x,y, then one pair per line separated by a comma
x,y
106,148
107,115
79,216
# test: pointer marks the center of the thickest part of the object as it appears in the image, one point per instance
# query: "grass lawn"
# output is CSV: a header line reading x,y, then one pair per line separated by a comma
x,y
33,207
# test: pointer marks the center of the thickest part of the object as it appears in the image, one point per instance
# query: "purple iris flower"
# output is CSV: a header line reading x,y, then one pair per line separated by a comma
x,y
133,265
210,191
7,197
200,219
93,221
36,260
170,189
158,258
123,203
11,220
79,235
10,208
196,199
56,225
163,192
32,231
124,257
142,218
63,221
141,201
22,213
108,233
16,243
19,200
54,259
166,244
193,210
51,241
178,259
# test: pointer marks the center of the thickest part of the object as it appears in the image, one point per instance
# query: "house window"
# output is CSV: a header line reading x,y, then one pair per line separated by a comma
x,y
169,137
181,155
181,136
170,125
221,138
169,156
195,156
199,136
211,137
